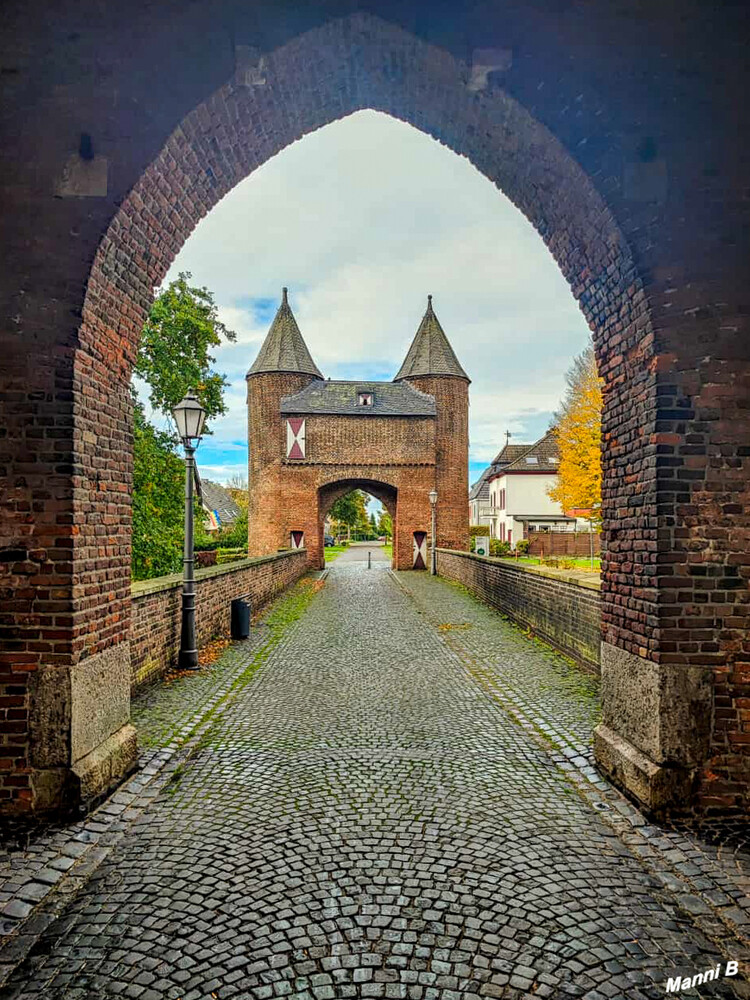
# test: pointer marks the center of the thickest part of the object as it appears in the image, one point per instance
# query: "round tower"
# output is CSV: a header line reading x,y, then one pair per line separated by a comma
x,y
283,366
432,367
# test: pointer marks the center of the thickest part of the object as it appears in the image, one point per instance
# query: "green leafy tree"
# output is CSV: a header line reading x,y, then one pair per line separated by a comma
x,y
174,356
385,524
350,509
158,501
373,524
175,350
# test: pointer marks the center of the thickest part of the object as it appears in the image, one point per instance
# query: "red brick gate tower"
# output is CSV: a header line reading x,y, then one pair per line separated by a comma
x,y
432,367
313,439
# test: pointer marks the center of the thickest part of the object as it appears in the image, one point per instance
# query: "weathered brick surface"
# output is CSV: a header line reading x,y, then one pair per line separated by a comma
x,y
396,459
620,154
565,612
157,606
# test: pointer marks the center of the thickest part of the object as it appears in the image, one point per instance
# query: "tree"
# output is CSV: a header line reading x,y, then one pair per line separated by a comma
x,y
158,501
373,523
174,356
175,350
578,431
385,525
351,511
237,489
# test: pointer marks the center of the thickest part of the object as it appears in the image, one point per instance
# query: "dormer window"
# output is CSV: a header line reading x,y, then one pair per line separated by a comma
x,y
364,399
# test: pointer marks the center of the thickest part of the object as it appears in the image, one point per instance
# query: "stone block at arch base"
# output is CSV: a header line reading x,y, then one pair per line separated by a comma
x,y
83,742
654,736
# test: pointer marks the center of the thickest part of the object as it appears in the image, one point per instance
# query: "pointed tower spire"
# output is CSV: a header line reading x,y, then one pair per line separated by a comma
x,y
430,352
284,350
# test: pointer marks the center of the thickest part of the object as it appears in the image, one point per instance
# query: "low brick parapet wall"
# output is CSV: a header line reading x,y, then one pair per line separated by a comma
x,y
560,606
157,606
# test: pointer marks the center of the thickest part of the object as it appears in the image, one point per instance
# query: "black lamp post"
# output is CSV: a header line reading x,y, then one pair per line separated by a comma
x,y
189,416
433,554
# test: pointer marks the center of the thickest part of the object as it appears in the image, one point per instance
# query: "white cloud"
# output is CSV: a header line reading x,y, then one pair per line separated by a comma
x,y
361,220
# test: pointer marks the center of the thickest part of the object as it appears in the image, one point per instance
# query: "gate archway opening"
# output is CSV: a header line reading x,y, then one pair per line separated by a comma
x,y
657,690
385,493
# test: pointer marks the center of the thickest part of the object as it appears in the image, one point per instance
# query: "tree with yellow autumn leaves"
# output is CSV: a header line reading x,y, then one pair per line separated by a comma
x,y
578,431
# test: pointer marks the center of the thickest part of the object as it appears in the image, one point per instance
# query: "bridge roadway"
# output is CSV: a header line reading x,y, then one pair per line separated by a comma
x,y
363,820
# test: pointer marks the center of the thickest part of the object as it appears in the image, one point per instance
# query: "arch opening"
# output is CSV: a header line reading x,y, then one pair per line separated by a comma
x,y
351,64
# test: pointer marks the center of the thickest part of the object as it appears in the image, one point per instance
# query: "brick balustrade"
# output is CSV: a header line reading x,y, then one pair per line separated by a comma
x,y
157,604
561,607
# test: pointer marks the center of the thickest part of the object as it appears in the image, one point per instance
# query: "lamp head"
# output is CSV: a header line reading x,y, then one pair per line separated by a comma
x,y
190,417
433,497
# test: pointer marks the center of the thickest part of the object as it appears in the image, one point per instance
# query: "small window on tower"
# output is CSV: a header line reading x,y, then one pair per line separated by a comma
x,y
365,399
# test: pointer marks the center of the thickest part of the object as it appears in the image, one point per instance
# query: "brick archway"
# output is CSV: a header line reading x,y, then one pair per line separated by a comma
x,y
672,419
386,493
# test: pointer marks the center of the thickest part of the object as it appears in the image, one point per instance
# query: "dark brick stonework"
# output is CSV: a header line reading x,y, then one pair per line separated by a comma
x,y
615,129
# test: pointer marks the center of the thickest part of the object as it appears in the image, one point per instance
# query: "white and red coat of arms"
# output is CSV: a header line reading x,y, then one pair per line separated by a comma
x,y
295,438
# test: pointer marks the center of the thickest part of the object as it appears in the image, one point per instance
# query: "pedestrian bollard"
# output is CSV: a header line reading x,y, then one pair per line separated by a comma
x,y
369,558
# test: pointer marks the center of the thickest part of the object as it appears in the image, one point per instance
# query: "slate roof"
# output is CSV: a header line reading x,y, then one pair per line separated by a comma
x,y
215,497
390,399
543,456
430,352
481,488
284,350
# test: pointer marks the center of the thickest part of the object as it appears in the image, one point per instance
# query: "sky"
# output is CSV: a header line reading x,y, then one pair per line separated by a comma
x,y
361,220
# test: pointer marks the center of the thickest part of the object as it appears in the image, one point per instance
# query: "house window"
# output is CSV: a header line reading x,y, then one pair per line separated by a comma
x,y
364,399
501,495
532,460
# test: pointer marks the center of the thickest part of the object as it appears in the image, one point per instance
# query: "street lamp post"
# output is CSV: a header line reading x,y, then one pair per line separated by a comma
x,y
433,555
189,416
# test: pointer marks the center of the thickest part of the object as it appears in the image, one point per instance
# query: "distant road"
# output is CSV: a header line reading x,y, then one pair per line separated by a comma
x,y
357,552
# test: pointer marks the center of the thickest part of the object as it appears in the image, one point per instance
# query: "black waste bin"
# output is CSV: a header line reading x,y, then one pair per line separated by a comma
x,y
240,624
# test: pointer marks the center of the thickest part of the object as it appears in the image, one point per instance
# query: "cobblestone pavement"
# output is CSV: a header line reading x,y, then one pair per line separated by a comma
x,y
367,815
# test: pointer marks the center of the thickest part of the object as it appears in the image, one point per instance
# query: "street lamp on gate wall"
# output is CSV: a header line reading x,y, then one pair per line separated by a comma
x,y
433,555
190,417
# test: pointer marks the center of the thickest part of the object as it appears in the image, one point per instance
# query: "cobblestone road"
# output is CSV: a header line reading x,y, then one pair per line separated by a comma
x,y
364,819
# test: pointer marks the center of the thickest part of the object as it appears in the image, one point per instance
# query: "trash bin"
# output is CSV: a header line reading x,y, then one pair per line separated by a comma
x,y
240,623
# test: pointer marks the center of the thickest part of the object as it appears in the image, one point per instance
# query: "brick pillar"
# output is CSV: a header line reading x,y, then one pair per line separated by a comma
x,y
64,575
451,457
268,498
675,660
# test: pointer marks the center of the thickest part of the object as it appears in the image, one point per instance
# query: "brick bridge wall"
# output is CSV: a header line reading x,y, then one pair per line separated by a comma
x,y
563,610
157,604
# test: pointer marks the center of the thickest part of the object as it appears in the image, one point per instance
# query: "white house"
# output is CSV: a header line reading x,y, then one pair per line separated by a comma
x,y
511,495
480,511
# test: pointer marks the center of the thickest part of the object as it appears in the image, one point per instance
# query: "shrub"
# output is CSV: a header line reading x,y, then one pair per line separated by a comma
x,y
522,547
499,548
230,555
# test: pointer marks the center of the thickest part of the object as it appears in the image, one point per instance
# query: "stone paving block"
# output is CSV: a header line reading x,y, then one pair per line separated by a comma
x,y
361,819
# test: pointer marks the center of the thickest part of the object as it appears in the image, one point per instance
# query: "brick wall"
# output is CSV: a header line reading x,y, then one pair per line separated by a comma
x,y
157,604
652,236
561,609
393,458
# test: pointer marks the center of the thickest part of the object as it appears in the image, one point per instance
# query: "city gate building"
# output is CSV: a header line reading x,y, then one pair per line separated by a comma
x,y
312,440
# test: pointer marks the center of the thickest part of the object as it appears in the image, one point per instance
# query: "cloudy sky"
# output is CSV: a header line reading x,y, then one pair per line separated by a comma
x,y
361,220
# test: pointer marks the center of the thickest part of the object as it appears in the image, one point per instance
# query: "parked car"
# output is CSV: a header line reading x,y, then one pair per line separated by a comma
x,y
328,540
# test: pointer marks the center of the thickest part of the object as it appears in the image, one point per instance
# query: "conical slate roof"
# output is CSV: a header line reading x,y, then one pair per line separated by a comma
x,y
284,350
430,353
